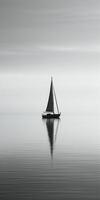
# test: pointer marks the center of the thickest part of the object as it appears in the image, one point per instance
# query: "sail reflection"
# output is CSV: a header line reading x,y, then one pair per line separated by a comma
x,y
52,126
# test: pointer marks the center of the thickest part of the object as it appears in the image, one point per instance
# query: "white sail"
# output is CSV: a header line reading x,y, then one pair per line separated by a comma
x,y
56,100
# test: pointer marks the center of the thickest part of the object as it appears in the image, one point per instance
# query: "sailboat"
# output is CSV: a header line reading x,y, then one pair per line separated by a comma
x,y
50,113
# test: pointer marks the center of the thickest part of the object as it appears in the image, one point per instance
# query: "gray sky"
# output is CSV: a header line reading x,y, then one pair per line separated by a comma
x,y
48,34
44,38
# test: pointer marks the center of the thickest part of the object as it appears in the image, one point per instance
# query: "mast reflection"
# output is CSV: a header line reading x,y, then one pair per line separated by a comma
x,y
52,130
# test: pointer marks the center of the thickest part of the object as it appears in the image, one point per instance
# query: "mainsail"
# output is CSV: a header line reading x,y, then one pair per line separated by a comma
x,y
50,105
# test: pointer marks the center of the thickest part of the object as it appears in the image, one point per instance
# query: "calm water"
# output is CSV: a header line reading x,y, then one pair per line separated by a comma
x,y
42,159
54,159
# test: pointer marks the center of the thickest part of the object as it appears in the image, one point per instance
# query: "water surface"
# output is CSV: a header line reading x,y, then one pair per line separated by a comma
x,y
49,159
42,159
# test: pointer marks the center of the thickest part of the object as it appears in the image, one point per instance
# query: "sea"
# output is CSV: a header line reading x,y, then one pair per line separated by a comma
x,y
48,159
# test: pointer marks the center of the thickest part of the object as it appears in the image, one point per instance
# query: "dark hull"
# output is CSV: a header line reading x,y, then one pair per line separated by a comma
x,y
51,116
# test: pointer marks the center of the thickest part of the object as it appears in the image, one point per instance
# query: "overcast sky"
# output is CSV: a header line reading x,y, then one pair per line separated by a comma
x,y
44,38
48,34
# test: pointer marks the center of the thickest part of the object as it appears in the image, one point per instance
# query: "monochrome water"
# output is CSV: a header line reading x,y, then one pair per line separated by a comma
x,y
47,158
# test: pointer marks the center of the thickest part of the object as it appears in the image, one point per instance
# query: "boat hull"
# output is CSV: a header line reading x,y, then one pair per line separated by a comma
x,y
51,116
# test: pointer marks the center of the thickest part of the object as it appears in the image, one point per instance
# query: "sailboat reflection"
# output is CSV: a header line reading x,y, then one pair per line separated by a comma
x,y
52,130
